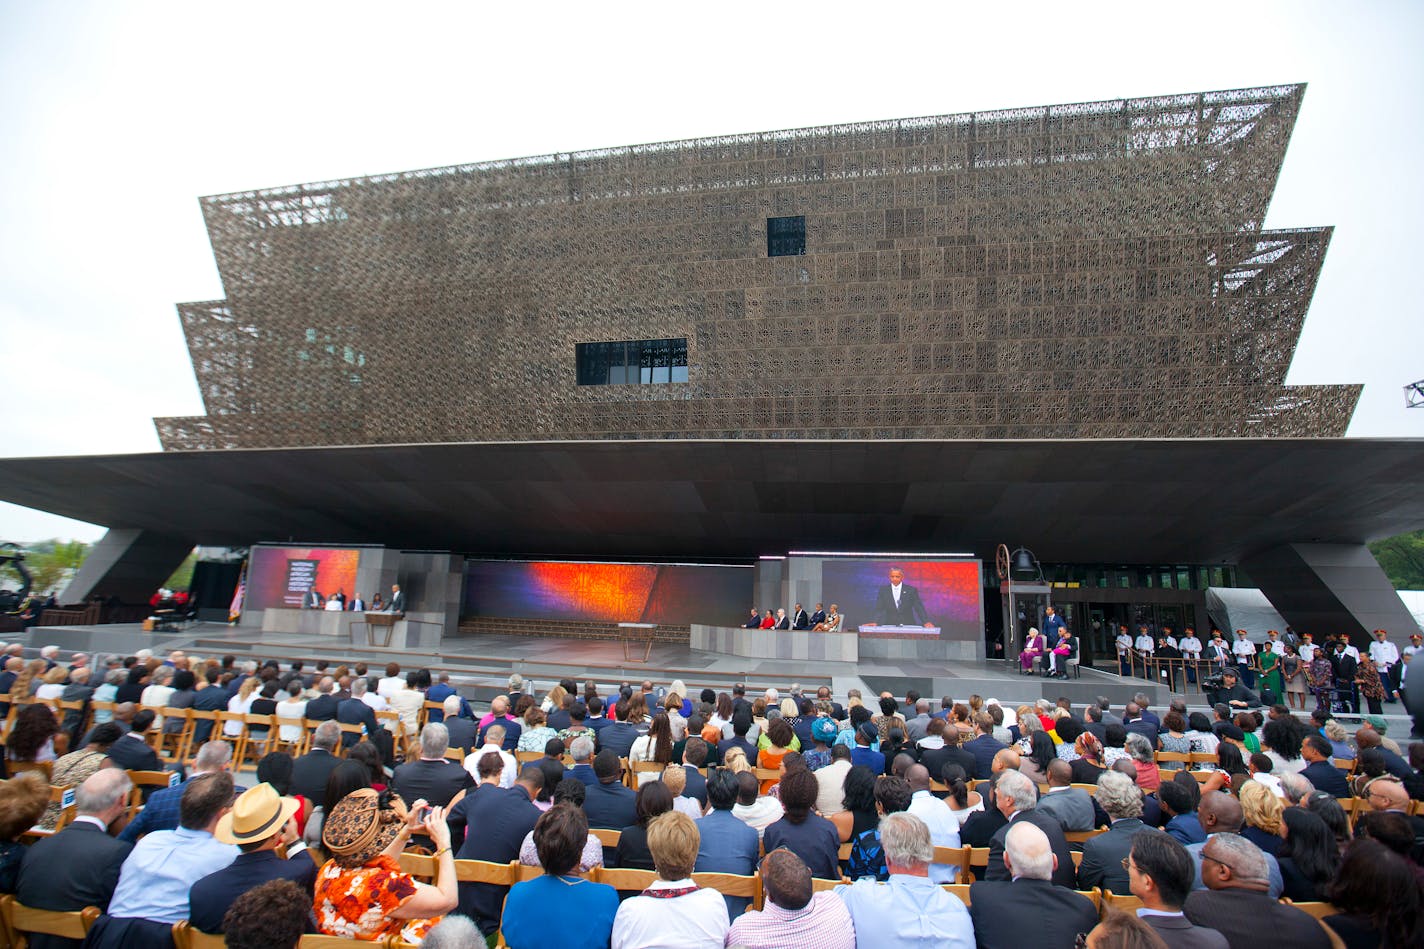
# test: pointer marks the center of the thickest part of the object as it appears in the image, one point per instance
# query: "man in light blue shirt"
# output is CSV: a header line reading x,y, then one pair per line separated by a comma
x,y
910,910
155,879
944,828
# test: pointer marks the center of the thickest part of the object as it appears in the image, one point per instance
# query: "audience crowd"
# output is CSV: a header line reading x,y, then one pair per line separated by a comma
x,y
1214,823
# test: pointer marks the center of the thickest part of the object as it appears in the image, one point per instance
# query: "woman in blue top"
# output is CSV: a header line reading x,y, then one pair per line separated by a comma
x,y
559,910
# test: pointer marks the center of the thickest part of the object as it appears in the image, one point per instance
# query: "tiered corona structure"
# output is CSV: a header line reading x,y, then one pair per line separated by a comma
x,y
1092,270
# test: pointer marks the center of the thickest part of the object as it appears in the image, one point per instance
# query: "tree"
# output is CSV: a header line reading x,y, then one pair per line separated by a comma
x,y
53,562
1402,559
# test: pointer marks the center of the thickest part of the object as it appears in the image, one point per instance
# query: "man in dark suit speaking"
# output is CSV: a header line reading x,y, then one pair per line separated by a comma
x,y
899,604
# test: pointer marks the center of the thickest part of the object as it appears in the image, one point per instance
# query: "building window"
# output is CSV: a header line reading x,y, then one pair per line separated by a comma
x,y
632,362
786,236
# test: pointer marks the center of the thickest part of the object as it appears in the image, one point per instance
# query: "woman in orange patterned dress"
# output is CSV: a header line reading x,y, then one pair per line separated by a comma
x,y
361,892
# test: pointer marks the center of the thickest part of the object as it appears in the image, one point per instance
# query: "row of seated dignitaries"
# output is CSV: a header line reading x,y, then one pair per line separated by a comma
x,y
1220,891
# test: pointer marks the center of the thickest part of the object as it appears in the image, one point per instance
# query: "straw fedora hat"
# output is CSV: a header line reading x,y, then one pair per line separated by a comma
x,y
256,815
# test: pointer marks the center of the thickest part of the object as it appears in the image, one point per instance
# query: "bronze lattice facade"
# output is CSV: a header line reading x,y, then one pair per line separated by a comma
x,y
1094,270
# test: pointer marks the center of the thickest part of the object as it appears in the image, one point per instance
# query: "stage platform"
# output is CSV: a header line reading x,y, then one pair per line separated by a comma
x,y
480,665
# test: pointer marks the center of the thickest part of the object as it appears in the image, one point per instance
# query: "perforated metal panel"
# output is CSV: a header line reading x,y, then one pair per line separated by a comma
x,y
1068,271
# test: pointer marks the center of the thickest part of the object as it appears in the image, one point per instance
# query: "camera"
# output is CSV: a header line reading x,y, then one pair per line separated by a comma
x,y
1213,682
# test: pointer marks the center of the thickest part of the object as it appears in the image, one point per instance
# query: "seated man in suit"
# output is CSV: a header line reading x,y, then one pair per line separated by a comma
x,y
727,843
132,752
1030,910
1237,901
310,771
1179,801
259,822
581,750
1072,806
79,866
1016,797
433,778
609,803
323,707
355,711
1161,873
162,811
1103,855
462,730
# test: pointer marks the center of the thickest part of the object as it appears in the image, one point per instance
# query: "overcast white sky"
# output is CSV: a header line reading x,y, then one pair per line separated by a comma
x,y
116,116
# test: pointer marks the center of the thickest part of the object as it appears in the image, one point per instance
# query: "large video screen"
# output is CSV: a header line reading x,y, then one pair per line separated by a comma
x,y
279,577
942,593
606,592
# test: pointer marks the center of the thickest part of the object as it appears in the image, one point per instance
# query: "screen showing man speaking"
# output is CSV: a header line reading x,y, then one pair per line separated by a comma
x,y
907,599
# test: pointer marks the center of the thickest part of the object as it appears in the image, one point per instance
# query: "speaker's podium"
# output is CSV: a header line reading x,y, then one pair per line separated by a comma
x,y
383,625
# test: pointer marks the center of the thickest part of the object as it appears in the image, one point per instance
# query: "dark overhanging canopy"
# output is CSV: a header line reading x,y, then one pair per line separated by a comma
x,y
1129,501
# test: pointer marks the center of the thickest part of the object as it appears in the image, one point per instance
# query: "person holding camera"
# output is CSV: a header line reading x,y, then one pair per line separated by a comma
x,y
1228,688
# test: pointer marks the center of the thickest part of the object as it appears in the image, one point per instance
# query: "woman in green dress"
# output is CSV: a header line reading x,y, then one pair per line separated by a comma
x,y
1271,674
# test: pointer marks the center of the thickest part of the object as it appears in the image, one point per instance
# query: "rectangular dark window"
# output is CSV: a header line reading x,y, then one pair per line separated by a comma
x,y
786,236
632,362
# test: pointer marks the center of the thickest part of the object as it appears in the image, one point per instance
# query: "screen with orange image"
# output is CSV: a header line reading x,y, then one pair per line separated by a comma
x,y
606,592
281,577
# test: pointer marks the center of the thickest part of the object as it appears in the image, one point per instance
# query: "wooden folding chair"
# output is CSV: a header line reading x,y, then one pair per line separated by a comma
x,y
238,741
455,754
607,837
1183,758
1092,789
482,871
348,728
426,708
186,936
20,919
65,796
152,780
979,861
390,720
1318,910
192,741
1083,836
295,746
1347,765
257,744
173,746
960,890
1127,903
734,884
1096,896
420,866
74,717
524,757
45,768
955,857
634,881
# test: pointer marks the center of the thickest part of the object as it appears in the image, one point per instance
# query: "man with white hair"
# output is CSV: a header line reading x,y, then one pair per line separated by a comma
x,y
79,866
161,810
462,730
433,777
910,910
1237,901
1026,909
581,750
1016,798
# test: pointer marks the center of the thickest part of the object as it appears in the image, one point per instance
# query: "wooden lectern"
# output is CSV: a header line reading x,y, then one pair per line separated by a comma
x,y
384,621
